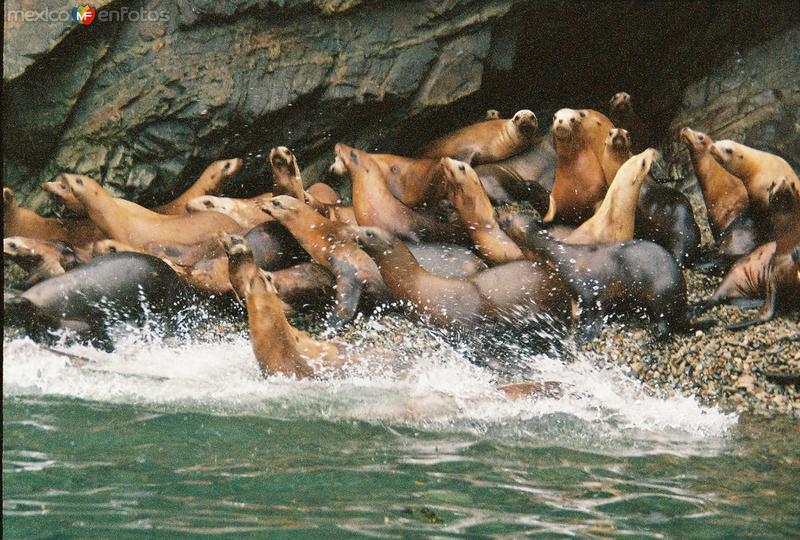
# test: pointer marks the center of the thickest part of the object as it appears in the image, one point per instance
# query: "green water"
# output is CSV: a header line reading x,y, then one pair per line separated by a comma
x,y
185,439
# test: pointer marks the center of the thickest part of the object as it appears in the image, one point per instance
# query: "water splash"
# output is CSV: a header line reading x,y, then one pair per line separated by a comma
x,y
411,376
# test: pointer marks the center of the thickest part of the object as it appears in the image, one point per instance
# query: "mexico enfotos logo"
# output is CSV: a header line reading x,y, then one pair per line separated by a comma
x,y
86,15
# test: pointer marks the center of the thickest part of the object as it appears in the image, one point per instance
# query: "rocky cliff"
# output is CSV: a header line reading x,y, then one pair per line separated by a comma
x,y
144,104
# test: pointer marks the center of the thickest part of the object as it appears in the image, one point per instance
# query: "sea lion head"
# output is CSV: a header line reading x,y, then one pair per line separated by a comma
x,y
516,224
9,201
492,114
235,245
343,157
210,203
61,191
373,240
283,161
228,167
80,185
104,247
696,140
525,122
566,123
281,207
456,173
645,161
619,140
621,102
727,152
263,279
17,246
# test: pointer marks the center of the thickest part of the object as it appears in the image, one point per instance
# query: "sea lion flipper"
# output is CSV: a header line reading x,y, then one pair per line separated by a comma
x,y
348,291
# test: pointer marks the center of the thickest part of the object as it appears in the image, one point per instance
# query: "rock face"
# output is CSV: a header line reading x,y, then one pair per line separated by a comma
x,y
753,97
144,103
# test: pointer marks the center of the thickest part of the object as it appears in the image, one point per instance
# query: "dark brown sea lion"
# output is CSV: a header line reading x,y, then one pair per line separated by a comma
x,y
614,277
527,176
487,141
514,291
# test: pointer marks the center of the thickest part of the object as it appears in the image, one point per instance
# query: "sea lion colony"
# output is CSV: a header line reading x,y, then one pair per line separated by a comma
x,y
603,237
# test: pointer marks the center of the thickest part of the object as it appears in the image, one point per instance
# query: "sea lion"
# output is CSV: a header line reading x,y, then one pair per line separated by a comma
x,y
137,226
623,115
663,214
416,182
724,194
595,126
758,171
769,271
515,291
492,114
109,288
330,246
20,221
374,204
613,277
527,176
466,192
41,259
487,141
278,346
209,183
245,212
579,185
288,181
614,220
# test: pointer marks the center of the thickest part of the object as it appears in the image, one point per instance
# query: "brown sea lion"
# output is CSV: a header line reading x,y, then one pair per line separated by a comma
x,y
614,220
330,246
374,204
613,277
416,182
466,192
288,181
209,183
623,115
487,141
513,291
758,170
768,272
245,212
137,226
616,151
726,199
579,185
278,346
595,126
41,259
20,221
528,176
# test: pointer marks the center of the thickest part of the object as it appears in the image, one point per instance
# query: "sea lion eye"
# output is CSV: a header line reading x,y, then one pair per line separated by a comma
x,y
462,168
729,151
112,249
227,166
12,245
79,181
701,138
583,114
370,234
642,164
276,204
208,204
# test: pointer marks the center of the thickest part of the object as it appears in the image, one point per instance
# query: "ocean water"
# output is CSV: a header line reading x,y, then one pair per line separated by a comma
x,y
184,438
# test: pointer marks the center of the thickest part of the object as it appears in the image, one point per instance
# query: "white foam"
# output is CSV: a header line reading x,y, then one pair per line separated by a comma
x,y
420,382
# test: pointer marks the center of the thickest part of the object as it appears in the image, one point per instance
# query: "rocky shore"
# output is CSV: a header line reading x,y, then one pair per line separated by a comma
x,y
739,371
